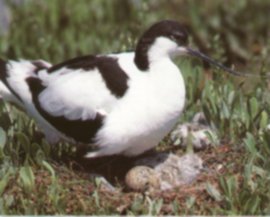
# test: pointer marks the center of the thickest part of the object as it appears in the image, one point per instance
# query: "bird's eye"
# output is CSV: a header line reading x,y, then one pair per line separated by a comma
x,y
179,38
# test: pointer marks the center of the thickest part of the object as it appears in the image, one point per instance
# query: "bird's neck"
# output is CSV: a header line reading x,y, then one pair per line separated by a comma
x,y
141,59
150,51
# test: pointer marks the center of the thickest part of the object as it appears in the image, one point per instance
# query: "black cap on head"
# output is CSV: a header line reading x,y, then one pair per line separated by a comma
x,y
165,28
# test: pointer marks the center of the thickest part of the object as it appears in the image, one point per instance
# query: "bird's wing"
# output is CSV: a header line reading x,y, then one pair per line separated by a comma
x,y
74,96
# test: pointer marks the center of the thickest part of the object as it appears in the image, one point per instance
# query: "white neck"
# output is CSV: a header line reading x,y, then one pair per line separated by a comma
x,y
162,48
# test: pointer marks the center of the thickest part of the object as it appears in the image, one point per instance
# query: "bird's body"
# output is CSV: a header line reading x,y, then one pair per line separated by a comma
x,y
105,100
122,103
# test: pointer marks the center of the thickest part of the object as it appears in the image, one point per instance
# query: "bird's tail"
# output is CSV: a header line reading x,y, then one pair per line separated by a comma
x,y
13,75
4,90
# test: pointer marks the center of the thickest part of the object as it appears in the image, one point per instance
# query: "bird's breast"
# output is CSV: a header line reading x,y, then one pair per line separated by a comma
x,y
149,109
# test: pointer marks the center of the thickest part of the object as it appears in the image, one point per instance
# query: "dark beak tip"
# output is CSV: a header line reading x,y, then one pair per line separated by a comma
x,y
211,61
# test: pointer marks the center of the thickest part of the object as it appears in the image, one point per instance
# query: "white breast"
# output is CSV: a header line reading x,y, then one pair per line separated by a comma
x,y
146,113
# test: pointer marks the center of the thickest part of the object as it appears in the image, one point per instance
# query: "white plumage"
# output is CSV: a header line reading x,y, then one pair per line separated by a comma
x,y
147,113
122,103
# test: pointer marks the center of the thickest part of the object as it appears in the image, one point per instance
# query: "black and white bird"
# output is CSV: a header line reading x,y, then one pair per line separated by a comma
x,y
123,103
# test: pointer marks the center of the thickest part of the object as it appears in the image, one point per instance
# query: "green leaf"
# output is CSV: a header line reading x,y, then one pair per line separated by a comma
x,y
175,207
3,182
27,177
259,171
231,98
250,143
225,110
212,136
228,185
3,138
213,192
248,174
190,202
154,206
49,168
97,198
264,120
254,107
252,205
25,142
231,183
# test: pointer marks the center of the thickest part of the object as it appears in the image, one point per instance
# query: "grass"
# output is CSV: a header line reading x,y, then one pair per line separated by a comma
x,y
40,179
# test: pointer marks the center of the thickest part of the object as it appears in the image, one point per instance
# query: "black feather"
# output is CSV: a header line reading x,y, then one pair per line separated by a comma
x,y
83,131
115,78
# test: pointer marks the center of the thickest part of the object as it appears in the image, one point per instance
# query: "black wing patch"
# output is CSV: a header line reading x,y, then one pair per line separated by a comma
x,y
115,78
82,131
39,65
3,77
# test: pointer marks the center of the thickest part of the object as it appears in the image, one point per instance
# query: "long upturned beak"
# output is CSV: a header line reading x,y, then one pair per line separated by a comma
x,y
195,53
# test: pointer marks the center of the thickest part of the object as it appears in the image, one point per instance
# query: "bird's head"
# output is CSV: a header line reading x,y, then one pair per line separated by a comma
x,y
164,39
